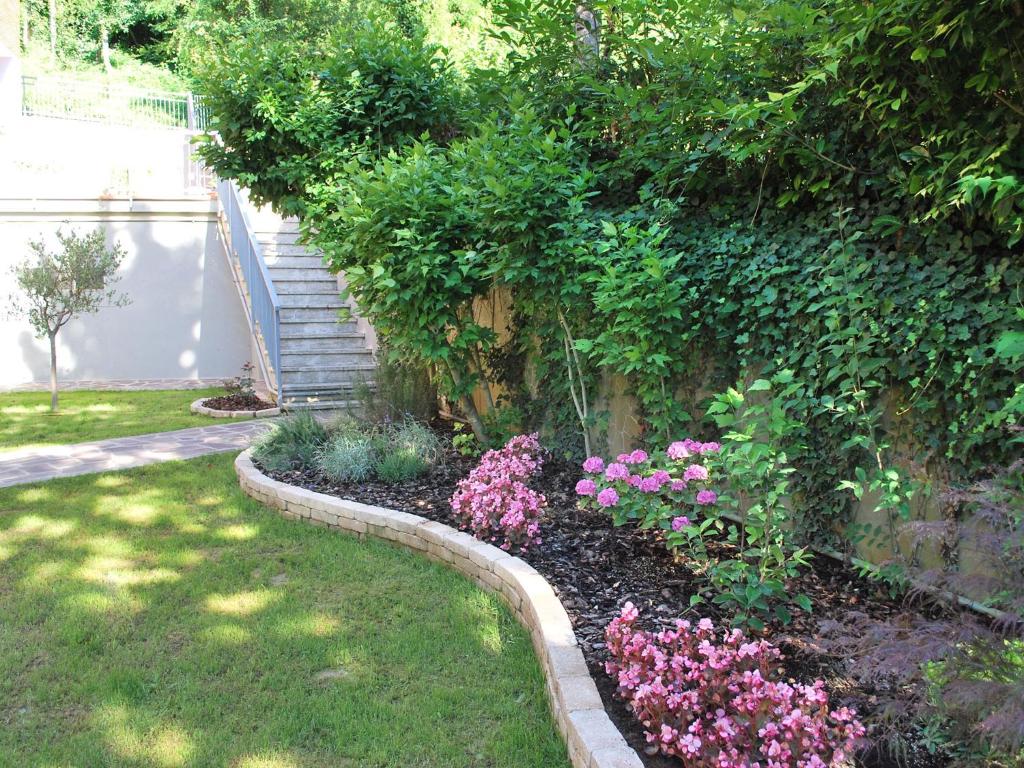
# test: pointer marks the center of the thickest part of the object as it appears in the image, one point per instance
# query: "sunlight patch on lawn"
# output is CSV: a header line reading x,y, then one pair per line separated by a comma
x,y
120,572
166,746
265,761
29,527
227,634
238,532
313,625
240,603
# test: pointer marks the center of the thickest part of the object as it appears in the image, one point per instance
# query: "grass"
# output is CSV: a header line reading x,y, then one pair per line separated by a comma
x,y
26,421
159,617
126,70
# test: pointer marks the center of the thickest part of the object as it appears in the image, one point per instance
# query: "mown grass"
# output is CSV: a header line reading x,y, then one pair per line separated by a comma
x,y
26,421
159,617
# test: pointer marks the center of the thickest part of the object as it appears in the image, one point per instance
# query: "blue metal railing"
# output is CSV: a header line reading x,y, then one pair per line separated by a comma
x,y
264,306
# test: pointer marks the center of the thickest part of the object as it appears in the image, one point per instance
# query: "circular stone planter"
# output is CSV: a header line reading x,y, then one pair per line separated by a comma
x,y
593,740
202,410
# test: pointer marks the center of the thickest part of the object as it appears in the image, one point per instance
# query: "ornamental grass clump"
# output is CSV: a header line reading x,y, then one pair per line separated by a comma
x,y
722,703
494,502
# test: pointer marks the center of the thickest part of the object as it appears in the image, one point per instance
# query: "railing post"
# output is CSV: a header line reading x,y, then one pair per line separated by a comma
x,y
191,107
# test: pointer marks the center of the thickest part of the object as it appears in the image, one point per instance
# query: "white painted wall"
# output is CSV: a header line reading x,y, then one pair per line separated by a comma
x,y
186,320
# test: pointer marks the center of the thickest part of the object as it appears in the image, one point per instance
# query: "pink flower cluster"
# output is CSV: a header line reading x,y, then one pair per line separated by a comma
x,y
494,502
721,704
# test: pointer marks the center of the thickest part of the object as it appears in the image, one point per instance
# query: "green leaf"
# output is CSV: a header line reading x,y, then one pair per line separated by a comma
x,y
803,601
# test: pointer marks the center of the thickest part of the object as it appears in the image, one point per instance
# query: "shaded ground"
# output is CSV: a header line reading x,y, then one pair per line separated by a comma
x,y
26,421
158,617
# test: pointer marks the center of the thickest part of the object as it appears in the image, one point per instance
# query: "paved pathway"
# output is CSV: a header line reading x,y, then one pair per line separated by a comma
x,y
31,465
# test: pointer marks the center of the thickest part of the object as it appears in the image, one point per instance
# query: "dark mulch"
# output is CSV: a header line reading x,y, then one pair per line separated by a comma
x,y
237,403
595,568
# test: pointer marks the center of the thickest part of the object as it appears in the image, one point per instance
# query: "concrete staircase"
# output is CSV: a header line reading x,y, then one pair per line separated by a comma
x,y
323,358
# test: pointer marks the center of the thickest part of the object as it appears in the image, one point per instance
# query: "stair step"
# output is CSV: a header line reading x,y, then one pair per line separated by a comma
x,y
276,251
329,360
316,315
311,301
303,329
332,390
318,377
276,238
321,343
287,274
327,404
327,287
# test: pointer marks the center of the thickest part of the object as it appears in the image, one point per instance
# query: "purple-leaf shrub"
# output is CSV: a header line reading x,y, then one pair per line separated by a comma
x,y
494,502
721,703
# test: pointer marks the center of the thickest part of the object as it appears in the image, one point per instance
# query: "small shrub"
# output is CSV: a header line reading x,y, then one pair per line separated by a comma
x,y
292,443
722,704
400,392
413,438
243,385
347,458
495,503
399,467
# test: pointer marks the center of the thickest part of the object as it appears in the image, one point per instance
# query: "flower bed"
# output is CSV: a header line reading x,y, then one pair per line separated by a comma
x,y
235,407
595,568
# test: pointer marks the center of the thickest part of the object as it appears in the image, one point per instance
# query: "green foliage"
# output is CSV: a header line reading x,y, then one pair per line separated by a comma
x,y
289,114
347,458
399,467
393,453
398,391
293,442
755,466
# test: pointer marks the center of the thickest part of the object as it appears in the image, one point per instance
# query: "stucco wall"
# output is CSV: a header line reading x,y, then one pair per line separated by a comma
x,y
185,321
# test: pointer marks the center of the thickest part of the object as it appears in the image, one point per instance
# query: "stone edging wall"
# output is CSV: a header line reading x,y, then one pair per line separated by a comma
x,y
202,410
592,738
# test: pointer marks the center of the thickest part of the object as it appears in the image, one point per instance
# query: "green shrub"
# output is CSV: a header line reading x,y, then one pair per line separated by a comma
x,y
292,443
400,466
399,391
348,458
413,438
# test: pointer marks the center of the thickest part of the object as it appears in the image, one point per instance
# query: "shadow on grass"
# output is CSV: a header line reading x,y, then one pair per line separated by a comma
x,y
158,617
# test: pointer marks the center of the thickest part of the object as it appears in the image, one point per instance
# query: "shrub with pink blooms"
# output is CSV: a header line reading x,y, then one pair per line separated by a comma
x,y
495,503
718,701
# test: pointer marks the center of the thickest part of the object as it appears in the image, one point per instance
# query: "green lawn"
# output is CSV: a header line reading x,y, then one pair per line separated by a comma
x,y
25,418
159,617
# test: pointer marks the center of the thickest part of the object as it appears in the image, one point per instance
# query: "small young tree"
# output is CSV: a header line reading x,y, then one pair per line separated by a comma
x,y
56,287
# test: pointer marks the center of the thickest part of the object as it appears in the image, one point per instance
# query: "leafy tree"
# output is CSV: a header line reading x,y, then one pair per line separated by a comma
x,y
60,285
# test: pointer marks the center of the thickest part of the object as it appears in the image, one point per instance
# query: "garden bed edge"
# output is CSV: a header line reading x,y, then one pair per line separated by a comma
x,y
592,739
198,408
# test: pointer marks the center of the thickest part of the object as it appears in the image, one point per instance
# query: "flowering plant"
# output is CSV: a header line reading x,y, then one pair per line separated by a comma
x,y
494,501
721,704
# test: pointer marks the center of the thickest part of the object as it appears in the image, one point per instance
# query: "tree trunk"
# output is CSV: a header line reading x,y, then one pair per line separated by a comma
x,y
105,48
53,372
469,408
53,29
24,30
588,37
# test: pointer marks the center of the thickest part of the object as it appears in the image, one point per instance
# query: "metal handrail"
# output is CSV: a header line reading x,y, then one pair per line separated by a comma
x,y
264,306
113,104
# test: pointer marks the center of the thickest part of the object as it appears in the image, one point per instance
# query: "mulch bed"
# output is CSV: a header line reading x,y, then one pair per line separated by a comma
x,y
237,403
595,568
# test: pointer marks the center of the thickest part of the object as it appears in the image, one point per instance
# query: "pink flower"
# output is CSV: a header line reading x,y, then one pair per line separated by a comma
x,y
635,480
678,451
622,458
608,497
709,448
616,471
650,485
678,485
679,523
586,487
706,497
662,476
695,472
593,465
637,457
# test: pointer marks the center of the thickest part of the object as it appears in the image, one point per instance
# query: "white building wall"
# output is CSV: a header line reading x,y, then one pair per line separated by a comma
x,y
185,322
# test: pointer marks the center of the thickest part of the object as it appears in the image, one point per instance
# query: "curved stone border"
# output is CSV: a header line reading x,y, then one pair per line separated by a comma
x,y
592,738
202,410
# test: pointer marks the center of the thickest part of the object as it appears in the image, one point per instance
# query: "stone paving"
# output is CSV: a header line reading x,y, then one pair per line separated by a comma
x,y
30,465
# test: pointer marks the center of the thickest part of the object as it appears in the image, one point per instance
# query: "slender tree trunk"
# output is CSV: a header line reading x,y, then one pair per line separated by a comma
x,y
472,414
105,48
53,372
24,29
53,28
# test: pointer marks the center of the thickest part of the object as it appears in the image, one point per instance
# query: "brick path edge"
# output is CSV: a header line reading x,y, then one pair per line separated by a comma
x,y
592,739
197,407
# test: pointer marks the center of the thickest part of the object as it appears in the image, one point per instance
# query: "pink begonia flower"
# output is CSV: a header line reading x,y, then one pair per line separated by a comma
x,y
609,497
617,471
637,457
706,497
679,523
695,472
593,465
678,485
586,487
709,448
678,451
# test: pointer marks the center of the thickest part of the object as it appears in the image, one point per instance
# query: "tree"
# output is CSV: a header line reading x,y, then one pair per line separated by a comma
x,y
56,287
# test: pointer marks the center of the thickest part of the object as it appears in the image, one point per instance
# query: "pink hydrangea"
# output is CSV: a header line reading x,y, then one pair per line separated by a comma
x,y
650,485
695,472
637,457
704,498
635,481
678,451
594,465
586,487
609,497
617,471
721,703
495,503
680,522
678,485
709,448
